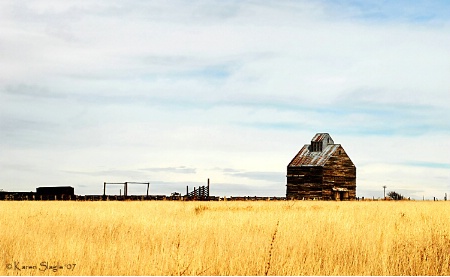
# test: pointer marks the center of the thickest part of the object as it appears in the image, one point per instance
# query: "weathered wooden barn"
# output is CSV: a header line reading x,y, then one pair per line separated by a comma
x,y
321,170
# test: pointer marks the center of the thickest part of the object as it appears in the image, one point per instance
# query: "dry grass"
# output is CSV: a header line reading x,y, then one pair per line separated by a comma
x,y
225,238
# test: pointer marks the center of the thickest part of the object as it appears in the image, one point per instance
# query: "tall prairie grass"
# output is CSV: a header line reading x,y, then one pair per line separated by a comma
x,y
225,238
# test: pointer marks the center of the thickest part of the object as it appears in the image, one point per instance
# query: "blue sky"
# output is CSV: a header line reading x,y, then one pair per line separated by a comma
x,y
174,93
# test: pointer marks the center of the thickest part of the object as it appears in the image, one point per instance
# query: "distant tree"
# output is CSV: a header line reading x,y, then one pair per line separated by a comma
x,y
394,195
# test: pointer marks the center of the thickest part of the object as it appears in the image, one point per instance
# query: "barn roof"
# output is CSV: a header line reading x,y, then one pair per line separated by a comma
x,y
320,137
305,157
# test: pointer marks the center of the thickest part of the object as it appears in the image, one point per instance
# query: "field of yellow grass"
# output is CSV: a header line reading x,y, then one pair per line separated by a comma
x,y
225,238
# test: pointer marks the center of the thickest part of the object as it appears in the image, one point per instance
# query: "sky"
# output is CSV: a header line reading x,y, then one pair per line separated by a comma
x,y
176,92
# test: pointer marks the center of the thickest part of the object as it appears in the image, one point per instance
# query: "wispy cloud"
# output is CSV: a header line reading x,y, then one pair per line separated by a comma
x,y
112,89
254,175
113,173
179,169
428,164
417,12
262,176
31,91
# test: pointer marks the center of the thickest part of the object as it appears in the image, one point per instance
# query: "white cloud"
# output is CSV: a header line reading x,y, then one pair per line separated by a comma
x,y
103,87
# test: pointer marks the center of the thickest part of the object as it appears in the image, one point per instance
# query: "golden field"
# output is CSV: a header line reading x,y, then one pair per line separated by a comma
x,y
225,238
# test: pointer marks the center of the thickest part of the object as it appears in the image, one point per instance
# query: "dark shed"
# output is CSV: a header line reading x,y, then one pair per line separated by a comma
x,y
55,191
321,170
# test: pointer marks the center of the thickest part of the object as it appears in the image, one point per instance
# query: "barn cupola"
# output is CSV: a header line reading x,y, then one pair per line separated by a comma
x,y
320,141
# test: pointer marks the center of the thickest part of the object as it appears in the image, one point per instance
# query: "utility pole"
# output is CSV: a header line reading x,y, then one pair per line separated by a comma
x,y
384,192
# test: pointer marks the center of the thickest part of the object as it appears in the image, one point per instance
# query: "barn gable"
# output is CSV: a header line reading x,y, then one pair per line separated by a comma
x,y
321,170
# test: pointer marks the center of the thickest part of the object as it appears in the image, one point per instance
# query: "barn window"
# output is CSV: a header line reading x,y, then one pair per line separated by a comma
x,y
316,146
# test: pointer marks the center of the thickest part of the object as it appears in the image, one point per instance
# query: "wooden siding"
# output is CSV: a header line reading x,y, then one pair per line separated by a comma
x,y
340,172
304,182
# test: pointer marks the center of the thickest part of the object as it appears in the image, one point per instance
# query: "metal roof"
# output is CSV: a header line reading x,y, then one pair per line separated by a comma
x,y
320,137
308,158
